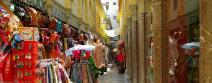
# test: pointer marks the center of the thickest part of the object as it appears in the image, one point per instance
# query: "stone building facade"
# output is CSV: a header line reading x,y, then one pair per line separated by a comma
x,y
147,27
85,15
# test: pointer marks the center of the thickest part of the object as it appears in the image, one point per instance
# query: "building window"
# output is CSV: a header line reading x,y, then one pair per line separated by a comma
x,y
114,3
175,4
107,3
114,17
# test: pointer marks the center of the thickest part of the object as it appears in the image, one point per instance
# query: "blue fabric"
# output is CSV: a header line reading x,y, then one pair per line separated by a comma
x,y
59,26
18,38
49,75
46,75
76,73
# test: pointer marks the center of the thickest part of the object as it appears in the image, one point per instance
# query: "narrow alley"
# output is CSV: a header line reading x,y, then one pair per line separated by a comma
x,y
105,41
112,76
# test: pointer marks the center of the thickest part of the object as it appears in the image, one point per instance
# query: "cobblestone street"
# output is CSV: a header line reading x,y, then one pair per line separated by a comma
x,y
113,76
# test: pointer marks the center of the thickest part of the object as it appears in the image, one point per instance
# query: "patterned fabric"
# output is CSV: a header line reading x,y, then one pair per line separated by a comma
x,y
98,55
94,69
85,74
55,73
34,16
76,73
52,24
90,79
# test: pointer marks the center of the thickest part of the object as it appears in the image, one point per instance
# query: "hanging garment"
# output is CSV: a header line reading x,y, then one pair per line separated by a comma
x,y
43,20
84,73
4,17
53,37
4,50
46,75
70,43
59,26
20,12
39,15
27,18
52,24
34,16
98,55
89,74
60,44
94,69
49,75
77,54
87,55
76,73
62,76
58,75
8,71
54,71
54,74
66,77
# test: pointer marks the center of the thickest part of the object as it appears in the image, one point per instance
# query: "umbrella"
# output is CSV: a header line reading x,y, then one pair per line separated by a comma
x,y
191,45
79,47
87,47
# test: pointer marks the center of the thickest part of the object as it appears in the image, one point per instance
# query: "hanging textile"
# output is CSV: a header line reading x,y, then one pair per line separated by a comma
x,y
76,73
98,58
84,74
53,72
53,23
8,25
59,26
24,61
34,16
83,66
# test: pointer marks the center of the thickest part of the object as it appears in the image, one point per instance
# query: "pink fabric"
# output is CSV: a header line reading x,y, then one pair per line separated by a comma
x,y
76,54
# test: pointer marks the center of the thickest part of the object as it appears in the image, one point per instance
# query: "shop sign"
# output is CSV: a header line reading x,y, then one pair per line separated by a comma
x,y
29,33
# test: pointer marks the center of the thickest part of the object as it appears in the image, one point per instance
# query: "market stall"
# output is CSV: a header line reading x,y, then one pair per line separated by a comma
x,y
83,69
38,47
31,44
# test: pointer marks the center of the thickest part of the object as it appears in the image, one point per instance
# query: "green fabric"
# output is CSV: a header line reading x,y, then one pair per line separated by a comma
x,y
93,66
54,74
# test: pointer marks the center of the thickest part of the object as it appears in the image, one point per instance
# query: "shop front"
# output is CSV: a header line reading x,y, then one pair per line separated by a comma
x,y
184,46
38,47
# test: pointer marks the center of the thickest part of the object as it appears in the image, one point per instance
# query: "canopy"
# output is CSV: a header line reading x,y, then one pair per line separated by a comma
x,y
191,45
79,47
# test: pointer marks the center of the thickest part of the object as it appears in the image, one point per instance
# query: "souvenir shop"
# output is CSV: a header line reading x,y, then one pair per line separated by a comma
x,y
38,48
184,50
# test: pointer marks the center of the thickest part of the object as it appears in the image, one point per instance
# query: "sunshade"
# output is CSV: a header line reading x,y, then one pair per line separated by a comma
x,y
191,45
79,47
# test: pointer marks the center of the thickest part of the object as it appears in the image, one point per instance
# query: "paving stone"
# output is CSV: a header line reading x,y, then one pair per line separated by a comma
x,y
113,77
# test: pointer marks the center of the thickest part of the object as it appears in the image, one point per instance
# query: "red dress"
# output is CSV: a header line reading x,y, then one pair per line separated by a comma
x,y
120,57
